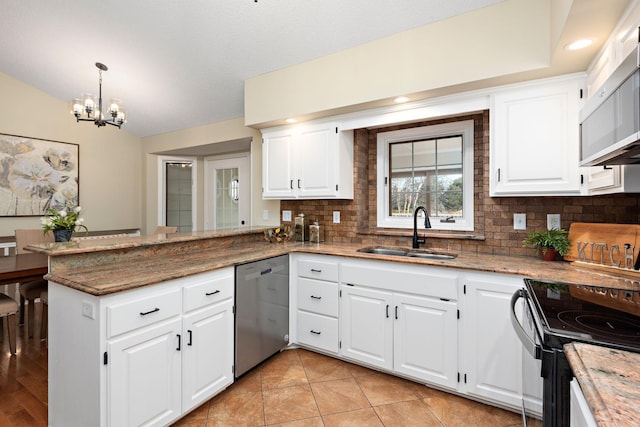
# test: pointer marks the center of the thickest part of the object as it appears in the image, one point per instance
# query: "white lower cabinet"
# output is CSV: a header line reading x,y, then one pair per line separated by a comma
x,y
581,415
144,377
410,328
145,356
318,331
315,302
366,326
494,364
441,326
206,359
425,339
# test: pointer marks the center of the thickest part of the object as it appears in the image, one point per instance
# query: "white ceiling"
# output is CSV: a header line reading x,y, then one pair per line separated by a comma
x,y
178,64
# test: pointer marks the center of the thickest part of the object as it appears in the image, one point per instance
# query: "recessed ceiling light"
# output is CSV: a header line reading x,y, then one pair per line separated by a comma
x,y
291,120
578,44
401,99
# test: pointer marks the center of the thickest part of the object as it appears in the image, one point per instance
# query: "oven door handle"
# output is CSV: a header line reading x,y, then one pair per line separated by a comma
x,y
529,344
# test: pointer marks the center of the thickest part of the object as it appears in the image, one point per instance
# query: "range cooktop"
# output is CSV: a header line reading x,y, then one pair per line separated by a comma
x,y
598,315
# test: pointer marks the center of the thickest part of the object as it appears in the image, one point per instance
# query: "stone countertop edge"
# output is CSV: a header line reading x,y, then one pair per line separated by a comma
x,y
92,278
610,381
129,242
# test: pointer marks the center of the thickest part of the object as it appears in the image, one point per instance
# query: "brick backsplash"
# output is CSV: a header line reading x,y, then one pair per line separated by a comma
x,y
493,215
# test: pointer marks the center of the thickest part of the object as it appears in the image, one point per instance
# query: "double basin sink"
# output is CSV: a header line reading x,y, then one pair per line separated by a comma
x,y
412,253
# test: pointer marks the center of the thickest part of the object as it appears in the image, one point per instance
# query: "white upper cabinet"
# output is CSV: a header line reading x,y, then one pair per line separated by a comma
x,y
624,38
535,138
278,169
620,43
311,161
613,179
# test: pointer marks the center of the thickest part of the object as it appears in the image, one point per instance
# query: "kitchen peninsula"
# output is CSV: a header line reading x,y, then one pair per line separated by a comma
x,y
121,298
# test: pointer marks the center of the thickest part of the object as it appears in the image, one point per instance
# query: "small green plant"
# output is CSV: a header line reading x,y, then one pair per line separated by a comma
x,y
557,239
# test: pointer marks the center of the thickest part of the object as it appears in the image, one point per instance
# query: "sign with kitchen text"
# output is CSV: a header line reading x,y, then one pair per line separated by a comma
x,y
614,247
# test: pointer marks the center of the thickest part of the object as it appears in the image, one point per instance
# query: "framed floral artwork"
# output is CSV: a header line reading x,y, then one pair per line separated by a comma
x,y
37,174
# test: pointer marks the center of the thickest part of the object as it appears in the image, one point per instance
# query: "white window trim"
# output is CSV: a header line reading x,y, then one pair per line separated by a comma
x,y
466,223
162,186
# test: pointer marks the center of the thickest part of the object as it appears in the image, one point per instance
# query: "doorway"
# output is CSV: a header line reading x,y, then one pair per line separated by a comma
x,y
227,191
177,176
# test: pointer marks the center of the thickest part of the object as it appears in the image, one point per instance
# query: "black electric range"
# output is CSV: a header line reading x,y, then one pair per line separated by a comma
x,y
562,313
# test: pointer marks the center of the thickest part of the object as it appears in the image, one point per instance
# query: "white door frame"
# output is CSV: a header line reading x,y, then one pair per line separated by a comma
x,y
245,187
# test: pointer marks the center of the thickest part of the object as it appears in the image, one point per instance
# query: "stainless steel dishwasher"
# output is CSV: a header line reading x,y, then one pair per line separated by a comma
x,y
262,311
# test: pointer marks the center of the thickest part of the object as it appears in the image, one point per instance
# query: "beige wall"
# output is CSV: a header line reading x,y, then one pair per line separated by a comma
x,y
118,171
198,136
110,177
462,49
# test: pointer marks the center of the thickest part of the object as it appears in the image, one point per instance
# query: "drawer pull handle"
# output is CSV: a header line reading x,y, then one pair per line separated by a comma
x,y
190,337
315,297
315,332
212,293
149,312
267,271
313,270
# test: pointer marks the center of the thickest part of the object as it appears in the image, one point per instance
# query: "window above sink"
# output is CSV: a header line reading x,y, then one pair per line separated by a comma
x,y
429,166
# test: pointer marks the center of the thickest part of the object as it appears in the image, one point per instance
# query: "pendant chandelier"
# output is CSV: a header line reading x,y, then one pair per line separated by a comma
x,y
91,107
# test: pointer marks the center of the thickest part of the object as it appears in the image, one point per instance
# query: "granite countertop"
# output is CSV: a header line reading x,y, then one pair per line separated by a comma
x,y
133,242
104,278
610,382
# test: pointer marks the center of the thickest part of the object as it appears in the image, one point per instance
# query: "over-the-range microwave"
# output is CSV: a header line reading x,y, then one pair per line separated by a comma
x,y
610,120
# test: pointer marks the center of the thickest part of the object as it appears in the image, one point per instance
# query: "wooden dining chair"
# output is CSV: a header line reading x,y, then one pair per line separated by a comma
x,y
44,325
30,291
163,229
8,310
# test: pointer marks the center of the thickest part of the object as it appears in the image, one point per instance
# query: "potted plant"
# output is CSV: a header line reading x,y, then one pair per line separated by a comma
x,y
549,242
63,223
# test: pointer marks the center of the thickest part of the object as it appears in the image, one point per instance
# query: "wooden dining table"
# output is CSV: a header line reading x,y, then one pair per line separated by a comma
x,y
23,267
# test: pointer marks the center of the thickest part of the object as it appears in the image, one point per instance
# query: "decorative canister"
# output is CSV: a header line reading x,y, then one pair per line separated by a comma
x,y
299,227
315,233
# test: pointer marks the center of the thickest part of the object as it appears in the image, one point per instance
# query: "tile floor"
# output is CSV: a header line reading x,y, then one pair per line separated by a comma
x,y
299,388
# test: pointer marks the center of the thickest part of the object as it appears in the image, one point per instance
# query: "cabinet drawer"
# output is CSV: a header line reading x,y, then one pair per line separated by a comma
x,y
140,312
318,270
318,331
208,289
318,297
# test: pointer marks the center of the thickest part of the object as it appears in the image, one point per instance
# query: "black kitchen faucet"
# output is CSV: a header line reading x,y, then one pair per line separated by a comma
x,y
427,224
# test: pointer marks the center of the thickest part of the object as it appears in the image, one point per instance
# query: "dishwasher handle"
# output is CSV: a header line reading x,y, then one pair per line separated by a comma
x,y
529,344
